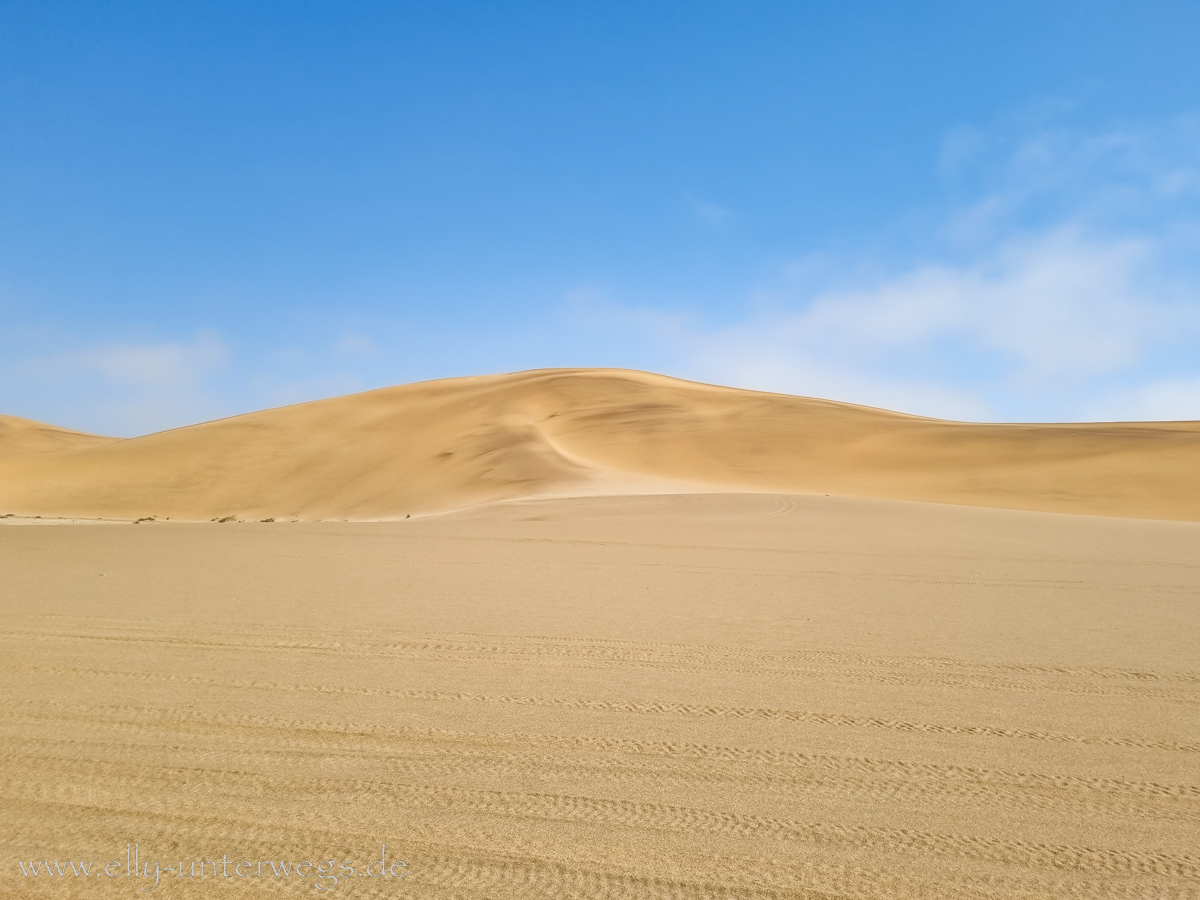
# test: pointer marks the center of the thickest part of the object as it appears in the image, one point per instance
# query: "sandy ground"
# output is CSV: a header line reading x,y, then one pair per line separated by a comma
x,y
723,695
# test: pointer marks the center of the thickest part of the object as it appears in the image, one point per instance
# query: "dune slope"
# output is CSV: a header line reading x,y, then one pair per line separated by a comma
x,y
24,436
454,443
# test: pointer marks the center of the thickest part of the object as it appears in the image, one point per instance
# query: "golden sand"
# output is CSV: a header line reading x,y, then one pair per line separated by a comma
x,y
708,695
451,444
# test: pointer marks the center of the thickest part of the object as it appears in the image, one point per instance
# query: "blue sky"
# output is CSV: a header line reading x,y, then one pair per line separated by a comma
x,y
981,211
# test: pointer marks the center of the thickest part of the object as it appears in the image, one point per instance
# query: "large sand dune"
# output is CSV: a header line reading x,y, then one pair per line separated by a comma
x,y
455,443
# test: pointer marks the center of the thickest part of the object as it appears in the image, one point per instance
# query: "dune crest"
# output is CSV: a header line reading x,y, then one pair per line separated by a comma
x,y
23,436
454,443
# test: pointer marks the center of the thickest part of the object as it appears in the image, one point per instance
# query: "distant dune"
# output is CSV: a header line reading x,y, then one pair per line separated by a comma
x,y
22,437
454,443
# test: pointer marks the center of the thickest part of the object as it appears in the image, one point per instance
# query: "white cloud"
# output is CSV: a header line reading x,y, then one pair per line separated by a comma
x,y
351,343
1059,303
151,365
1062,287
121,387
1171,399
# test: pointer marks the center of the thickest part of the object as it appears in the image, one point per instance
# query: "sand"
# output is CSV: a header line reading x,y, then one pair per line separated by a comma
x,y
716,695
600,634
444,445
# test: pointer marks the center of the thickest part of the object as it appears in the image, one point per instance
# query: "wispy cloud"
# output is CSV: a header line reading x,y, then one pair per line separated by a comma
x,y
1063,283
352,343
1171,399
141,365
705,211
123,387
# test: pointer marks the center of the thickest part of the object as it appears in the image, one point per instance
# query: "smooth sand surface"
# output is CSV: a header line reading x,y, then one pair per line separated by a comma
x,y
719,695
451,444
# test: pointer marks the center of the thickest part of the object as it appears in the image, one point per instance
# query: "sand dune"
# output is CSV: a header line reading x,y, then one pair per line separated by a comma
x,y
450,444
22,437
721,684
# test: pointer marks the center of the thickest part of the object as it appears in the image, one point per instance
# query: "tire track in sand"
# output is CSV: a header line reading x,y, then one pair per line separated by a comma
x,y
132,780
901,672
324,737
643,707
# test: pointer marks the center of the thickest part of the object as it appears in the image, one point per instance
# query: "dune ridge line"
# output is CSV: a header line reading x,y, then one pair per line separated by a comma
x,y
449,444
